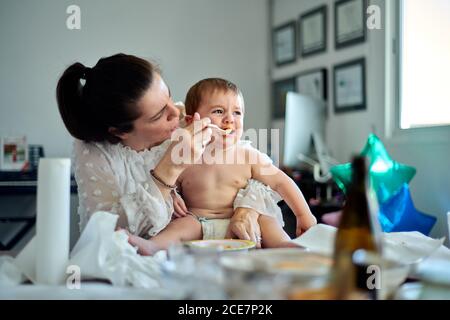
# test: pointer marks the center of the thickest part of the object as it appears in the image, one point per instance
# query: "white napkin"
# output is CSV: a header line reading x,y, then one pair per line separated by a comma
x,y
14,271
319,239
401,247
26,260
100,253
409,247
10,274
406,248
436,268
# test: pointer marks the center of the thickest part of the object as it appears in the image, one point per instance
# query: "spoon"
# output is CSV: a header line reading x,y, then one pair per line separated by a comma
x,y
213,126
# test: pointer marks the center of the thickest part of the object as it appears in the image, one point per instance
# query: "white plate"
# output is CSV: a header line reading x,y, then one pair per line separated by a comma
x,y
280,261
225,244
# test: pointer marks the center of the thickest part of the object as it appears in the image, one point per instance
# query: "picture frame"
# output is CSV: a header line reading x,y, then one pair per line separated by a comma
x,y
279,90
349,22
313,31
13,153
350,86
284,44
313,83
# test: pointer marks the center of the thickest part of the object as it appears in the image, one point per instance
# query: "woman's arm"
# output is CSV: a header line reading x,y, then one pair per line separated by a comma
x,y
179,206
194,139
102,187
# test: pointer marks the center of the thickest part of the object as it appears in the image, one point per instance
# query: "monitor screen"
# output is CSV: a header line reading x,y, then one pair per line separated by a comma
x,y
304,118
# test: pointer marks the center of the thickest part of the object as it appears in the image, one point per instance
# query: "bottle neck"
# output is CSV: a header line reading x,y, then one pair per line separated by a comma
x,y
357,210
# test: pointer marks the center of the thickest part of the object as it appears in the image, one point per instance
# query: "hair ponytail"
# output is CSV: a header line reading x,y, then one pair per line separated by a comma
x,y
108,98
70,101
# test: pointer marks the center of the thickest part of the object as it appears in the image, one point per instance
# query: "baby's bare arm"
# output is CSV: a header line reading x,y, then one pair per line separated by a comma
x,y
270,175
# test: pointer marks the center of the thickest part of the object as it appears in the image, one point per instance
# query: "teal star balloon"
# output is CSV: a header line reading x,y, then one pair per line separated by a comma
x,y
387,176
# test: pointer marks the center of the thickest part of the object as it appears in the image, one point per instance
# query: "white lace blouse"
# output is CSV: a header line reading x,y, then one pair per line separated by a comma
x,y
116,178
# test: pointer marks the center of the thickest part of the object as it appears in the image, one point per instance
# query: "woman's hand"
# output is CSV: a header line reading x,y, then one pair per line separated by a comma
x,y
180,154
194,139
180,209
244,225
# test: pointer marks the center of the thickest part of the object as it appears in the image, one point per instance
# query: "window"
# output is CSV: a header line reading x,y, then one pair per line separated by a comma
x,y
424,63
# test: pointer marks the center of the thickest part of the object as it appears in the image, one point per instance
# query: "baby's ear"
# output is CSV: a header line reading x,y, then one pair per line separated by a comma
x,y
188,119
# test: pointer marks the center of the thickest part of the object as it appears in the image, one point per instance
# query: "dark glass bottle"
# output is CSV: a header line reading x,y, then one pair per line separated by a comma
x,y
358,229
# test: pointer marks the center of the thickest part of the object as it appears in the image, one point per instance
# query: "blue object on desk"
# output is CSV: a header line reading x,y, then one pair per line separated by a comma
x,y
399,214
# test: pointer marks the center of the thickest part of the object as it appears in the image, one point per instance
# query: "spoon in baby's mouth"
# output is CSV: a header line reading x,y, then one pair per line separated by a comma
x,y
213,126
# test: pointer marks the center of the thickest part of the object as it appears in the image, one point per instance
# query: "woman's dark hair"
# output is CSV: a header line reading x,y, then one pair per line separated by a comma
x,y
107,99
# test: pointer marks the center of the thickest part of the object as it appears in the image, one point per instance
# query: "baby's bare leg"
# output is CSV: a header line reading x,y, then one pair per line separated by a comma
x,y
273,235
181,229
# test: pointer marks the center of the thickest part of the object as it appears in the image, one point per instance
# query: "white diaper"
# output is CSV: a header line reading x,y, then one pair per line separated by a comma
x,y
214,228
257,196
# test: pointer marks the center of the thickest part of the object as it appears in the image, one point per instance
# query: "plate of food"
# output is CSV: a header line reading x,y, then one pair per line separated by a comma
x,y
281,261
222,244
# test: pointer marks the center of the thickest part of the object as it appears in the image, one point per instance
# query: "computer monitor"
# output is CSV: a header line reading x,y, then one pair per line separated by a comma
x,y
305,118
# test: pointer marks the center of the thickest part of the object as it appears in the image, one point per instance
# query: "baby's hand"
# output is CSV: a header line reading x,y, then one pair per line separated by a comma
x,y
180,209
305,222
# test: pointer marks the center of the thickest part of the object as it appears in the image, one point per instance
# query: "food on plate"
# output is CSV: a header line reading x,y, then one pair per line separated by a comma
x,y
222,244
324,293
289,265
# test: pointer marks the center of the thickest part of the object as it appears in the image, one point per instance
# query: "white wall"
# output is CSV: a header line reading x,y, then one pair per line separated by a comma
x,y
346,133
351,136
190,40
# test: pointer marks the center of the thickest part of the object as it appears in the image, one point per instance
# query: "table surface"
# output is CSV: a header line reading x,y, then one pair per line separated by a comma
x,y
91,290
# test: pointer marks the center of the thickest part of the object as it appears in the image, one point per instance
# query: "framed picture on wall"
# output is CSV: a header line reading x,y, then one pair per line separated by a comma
x,y
349,22
284,47
13,153
350,86
313,31
280,90
313,83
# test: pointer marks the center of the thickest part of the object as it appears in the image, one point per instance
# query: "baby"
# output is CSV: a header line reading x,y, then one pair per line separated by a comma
x,y
209,188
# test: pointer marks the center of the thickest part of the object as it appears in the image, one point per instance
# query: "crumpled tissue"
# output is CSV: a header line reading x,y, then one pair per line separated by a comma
x,y
401,247
408,249
101,253
10,274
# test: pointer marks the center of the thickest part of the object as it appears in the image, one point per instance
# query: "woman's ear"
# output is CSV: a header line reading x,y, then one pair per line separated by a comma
x,y
115,132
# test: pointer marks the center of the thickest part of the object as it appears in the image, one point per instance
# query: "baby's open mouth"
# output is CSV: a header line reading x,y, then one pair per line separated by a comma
x,y
228,130
223,131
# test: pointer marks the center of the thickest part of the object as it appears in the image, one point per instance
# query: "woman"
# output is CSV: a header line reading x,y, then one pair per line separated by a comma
x,y
122,118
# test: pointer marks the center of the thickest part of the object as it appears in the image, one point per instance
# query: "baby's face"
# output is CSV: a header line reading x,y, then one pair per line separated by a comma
x,y
225,111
